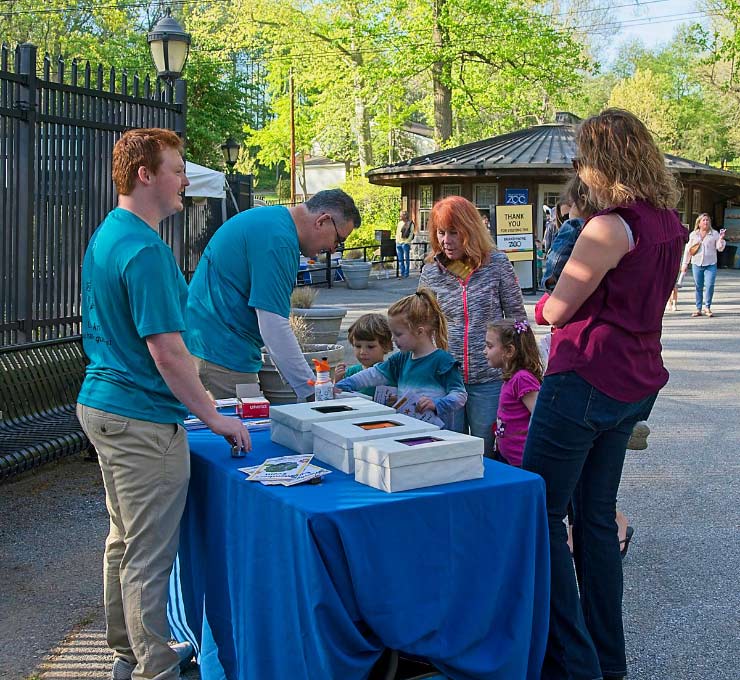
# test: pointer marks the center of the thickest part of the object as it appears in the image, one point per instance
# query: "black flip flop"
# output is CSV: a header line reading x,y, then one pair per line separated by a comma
x,y
625,542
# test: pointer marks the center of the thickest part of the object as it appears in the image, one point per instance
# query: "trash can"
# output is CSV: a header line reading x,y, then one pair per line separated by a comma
x,y
726,259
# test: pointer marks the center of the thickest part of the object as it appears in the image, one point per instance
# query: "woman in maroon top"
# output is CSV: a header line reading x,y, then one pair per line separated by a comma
x,y
604,373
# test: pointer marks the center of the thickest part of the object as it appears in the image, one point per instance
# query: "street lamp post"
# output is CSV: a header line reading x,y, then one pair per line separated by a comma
x,y
170,46
230,149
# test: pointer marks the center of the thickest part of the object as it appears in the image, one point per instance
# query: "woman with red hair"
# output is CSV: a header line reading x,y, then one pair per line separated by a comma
x,y
475,285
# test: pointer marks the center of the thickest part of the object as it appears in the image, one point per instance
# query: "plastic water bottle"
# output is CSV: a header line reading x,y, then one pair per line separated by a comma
x,y
323,385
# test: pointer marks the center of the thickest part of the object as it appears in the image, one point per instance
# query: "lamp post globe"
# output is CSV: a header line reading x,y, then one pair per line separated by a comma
x,y
230,149
169,45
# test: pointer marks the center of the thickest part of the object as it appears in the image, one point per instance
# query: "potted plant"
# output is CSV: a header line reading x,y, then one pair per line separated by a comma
x,y
323,322
275,389
356,273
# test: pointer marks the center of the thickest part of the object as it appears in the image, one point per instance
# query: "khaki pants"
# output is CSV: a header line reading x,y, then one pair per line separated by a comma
x,y
146,468
221,382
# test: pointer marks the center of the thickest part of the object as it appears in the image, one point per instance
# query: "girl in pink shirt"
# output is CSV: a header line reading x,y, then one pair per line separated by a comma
x,y
511,346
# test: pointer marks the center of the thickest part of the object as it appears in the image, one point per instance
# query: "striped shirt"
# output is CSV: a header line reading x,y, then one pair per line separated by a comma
x,y
488,293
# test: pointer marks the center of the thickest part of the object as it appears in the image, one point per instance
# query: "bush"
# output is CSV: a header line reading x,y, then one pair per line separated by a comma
x,y
378,206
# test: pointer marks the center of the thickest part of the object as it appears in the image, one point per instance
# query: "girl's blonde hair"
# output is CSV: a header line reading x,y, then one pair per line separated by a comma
x,y
371,327
698,219
620,162
456,212
576,191
422,309
519,335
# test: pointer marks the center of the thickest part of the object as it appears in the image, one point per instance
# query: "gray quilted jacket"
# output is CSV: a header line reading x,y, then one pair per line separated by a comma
x,y
490,292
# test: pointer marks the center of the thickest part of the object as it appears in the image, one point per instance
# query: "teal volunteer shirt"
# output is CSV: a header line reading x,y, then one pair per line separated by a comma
x,y
131,288
250,263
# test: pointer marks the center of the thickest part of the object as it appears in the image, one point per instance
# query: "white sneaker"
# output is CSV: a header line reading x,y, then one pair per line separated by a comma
x,y
638,438
122,669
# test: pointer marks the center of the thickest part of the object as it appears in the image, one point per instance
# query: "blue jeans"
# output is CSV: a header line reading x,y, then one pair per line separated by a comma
x,y
704,281
403,253
576,442
479,414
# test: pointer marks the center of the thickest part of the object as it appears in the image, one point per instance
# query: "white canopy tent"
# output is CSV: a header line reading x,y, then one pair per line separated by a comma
x,y
204,182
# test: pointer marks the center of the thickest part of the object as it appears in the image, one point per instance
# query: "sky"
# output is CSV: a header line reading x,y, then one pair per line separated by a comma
x,y
653,22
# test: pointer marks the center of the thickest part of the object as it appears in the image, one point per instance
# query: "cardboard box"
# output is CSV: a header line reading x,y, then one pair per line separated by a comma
x,y
250,402
333,442
253,407
417,461
291,424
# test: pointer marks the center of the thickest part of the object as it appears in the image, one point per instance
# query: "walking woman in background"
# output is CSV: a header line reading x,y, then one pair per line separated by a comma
x,y
404,238
604,373
704,244
475,285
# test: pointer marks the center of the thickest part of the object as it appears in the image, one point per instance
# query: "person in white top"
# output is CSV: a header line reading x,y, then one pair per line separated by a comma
x,y
701,251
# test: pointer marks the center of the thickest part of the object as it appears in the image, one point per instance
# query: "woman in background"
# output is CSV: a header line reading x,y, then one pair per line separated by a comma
x,y
474,285
704,244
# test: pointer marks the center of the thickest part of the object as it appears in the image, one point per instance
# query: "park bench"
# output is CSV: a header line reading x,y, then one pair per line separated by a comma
x,y
39,384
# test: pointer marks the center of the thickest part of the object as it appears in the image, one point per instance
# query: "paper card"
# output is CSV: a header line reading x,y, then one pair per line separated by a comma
x,y
311,472
405,404
282,468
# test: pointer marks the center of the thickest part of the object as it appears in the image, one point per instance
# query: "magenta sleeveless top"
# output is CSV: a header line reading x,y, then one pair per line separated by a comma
x,y
613,340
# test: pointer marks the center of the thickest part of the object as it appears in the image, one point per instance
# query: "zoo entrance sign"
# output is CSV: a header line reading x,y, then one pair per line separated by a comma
x,y
514,234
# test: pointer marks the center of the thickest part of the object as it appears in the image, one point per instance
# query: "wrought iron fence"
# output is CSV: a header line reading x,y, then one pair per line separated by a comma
x,y
58,126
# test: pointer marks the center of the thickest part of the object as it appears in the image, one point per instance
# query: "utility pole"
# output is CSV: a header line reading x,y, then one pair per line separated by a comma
x,y
292,137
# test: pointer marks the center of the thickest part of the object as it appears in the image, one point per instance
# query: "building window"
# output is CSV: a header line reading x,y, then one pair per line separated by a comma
x,y
681,208
485,197
696,202
425,205
451,190
552,198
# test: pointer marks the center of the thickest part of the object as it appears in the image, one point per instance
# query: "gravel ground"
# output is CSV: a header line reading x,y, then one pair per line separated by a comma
x,y
682,603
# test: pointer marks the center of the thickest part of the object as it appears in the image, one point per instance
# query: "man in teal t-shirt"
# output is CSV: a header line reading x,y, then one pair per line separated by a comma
x,y
239,297
139,384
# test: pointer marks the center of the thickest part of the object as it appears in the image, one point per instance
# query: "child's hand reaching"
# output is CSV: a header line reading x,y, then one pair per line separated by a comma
x,y
425,404
339,372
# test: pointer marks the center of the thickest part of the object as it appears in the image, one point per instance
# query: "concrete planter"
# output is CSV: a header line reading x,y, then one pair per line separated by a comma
x,y
323,322
276,390
356,273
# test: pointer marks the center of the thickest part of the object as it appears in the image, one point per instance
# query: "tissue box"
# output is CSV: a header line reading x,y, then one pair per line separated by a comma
x,y
415,461
291,424
333,442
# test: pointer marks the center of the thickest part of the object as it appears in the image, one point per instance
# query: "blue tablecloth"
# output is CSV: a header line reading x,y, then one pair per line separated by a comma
x,y
314,581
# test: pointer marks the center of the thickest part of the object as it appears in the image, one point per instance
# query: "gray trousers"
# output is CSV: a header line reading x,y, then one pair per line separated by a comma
x,y
146,468
221,382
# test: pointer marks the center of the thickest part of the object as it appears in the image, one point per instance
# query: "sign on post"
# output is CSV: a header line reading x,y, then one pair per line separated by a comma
x,y
514,234
516,196
515,237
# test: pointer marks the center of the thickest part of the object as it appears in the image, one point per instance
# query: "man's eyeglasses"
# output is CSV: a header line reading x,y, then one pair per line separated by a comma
x,y
339,242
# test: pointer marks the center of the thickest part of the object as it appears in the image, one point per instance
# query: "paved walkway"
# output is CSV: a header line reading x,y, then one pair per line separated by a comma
x,y
682,602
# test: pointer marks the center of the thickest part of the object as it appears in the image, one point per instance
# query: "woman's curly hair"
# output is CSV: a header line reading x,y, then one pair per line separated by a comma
x,y
620,162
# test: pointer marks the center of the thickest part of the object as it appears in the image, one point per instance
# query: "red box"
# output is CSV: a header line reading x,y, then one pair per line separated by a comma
x,y
253,407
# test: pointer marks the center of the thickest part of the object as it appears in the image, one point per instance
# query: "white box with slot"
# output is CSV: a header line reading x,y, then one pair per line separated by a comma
x,y
291,424
413,462
333,442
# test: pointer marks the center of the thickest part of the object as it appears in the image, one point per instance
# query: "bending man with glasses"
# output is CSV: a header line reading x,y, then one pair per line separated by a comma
x,y
239,297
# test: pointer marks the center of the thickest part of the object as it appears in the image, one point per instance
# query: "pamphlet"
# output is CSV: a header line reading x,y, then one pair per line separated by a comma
x,y
309,473
405,404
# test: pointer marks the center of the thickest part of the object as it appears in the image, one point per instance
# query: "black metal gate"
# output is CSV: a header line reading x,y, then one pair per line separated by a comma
x,y
57,131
